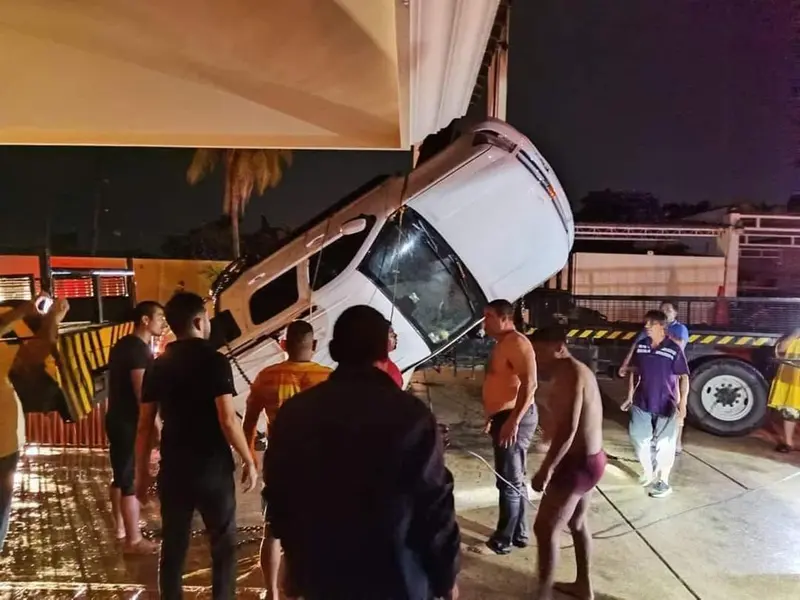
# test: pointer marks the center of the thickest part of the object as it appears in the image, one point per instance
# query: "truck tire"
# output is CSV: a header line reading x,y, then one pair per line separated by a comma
x,y
727,397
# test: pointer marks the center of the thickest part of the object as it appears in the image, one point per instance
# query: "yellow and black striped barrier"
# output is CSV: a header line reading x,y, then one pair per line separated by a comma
x,y
81,356
708,339
71,368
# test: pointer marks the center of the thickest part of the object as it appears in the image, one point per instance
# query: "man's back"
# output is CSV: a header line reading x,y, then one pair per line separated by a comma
x,y
571,378
277,383
358,494
591,423
185,382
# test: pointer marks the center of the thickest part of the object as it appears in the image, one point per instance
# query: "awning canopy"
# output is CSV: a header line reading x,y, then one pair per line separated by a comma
x,y
237,73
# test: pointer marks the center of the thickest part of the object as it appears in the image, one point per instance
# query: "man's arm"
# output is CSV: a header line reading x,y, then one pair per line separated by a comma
x,y
223,391
631,389
137,384
145,429
251,416
234,434
523,363
623,369
434,532
681,368
522,358
683,395
37,349
565,435
680,336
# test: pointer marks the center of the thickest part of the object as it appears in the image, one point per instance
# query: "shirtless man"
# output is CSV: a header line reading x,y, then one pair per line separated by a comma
x,y
511,421
572,467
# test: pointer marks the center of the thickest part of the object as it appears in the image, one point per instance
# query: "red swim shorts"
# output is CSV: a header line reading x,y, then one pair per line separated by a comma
x,y
580,474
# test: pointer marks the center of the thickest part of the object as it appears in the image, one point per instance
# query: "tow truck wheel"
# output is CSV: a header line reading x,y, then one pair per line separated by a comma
x,y
727,397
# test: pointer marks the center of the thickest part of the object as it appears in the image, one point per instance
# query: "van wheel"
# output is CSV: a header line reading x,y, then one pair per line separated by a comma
x,y
727,397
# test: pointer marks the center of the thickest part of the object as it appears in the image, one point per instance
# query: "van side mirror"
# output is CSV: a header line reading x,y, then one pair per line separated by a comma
x,y
353,226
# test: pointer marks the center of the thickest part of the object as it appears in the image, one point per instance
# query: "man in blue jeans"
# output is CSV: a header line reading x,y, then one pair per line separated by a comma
x,y
657,402
678,333
508,390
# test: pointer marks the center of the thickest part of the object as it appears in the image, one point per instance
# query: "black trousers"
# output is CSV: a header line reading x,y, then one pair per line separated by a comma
x,y
215,499
122,452
513,523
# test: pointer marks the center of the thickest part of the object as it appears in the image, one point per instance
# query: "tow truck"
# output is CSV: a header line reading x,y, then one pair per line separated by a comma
x,y
730,349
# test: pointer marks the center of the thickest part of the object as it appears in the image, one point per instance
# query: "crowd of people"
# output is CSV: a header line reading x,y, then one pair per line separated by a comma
x,y
357,500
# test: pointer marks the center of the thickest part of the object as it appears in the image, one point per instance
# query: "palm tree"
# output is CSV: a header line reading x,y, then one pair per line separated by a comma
x,y
245,171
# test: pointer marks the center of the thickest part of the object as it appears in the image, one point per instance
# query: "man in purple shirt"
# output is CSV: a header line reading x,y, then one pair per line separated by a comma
x,y
677,332
657,402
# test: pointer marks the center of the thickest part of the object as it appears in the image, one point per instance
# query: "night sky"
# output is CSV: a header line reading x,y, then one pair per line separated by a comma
x,y
690,100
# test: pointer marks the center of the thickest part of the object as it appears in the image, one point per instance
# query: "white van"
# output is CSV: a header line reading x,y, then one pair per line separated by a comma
x,y
484,219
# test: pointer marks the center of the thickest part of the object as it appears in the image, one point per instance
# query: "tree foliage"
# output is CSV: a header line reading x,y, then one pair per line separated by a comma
x,y
246,171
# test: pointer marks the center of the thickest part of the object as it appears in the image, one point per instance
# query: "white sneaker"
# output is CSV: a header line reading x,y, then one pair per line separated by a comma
x,y
660,490
647,479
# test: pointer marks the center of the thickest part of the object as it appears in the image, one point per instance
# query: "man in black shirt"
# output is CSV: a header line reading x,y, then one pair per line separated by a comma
x,y
127,362
356,486
192,385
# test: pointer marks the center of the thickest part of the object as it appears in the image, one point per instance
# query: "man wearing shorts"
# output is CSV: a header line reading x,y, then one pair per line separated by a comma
x,y
127,363
508,391
573,465
657,402
274,386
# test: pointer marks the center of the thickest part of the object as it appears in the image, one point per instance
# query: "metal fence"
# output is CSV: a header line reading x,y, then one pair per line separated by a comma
x,y
49,429
467,354
756,315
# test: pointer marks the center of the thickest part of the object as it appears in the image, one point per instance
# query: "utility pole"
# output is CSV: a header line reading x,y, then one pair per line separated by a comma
x,y
98,209
497,88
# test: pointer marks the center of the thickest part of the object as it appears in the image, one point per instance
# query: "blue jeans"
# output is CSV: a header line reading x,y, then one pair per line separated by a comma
x,y
8,466
512,523
647,429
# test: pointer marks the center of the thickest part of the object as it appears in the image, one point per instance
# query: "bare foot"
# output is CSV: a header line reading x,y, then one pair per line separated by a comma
x,y
142,547
583,591
119,534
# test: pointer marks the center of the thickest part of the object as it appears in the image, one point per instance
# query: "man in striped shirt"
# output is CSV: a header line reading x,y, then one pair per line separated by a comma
x,y
274,386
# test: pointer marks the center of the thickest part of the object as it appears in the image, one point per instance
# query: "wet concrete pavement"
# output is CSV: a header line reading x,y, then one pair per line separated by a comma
x,y
730,531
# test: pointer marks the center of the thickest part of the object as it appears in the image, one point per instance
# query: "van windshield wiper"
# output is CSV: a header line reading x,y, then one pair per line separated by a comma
x,y
459,275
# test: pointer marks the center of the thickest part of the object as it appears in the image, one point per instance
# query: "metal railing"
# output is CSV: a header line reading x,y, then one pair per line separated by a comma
x,y
756,315
49,429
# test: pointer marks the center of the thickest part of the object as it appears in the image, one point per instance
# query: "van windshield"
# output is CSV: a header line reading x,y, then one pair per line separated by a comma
x,y
425,279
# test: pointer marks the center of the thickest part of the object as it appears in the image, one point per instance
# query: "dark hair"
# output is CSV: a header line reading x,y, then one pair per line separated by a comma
x,y
181,310
359,336
298,334
657,316
552,335
144,309
502,308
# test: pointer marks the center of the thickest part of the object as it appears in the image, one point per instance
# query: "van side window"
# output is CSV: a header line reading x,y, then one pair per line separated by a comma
x,y
334,258
274,298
